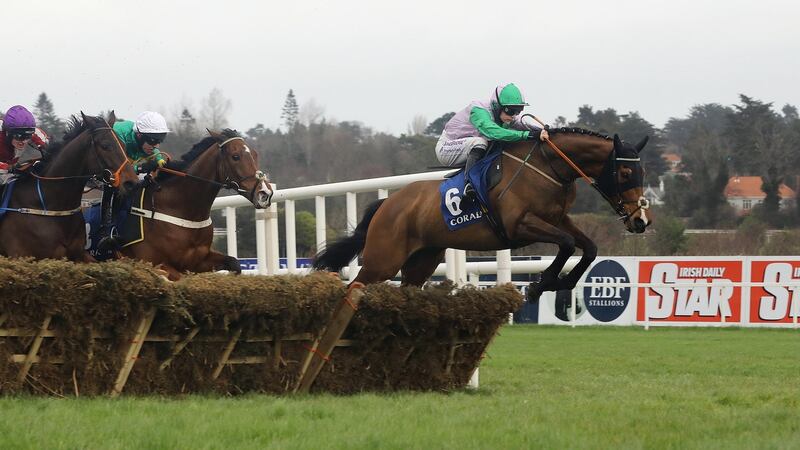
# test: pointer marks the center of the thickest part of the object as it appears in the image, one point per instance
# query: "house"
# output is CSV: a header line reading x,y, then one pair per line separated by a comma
x,y
655,195
743,193
673,161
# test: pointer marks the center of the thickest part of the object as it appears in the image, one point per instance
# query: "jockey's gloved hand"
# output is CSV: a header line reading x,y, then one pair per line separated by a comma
x,y
162,162
147,167
534,135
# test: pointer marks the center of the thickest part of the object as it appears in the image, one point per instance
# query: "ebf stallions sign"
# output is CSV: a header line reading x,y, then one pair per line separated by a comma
x,y
607,301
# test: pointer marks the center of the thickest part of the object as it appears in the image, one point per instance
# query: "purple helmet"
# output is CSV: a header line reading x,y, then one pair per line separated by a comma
x,y
18,117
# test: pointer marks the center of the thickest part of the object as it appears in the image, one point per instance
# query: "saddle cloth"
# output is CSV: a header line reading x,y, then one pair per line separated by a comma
x,y
459,211
128,227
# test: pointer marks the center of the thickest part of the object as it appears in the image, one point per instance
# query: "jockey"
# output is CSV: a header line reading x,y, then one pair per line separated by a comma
x,y
466,135
19,128
141,139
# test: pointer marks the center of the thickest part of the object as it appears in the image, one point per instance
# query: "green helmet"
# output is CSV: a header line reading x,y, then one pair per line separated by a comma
x,y
510,95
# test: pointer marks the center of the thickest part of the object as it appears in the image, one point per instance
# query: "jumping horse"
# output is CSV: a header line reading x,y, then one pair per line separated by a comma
x,y
406,232
43,216
176,204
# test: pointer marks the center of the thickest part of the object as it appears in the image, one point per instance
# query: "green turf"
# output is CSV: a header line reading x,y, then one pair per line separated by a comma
x,y
541,387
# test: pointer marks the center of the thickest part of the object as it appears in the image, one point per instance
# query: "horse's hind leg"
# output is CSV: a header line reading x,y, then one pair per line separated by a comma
x,y
421,265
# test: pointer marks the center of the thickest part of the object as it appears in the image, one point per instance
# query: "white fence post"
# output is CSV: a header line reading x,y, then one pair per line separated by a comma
x,y
320,221
273,248
504,273
461,267
291,237
352,221
450,264
383,193
261,241
230,230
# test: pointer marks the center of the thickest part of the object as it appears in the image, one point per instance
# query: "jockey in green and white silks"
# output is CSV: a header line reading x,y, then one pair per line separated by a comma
x,y
466,135
142,139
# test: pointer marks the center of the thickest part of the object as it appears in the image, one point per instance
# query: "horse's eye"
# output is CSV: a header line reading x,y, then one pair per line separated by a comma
x,y
105,146
236,157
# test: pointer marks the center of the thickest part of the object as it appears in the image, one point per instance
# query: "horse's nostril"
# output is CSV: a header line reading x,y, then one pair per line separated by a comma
x,y
639,225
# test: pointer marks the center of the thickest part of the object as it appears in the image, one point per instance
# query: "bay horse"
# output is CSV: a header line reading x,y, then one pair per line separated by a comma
x,y
43,217
406,232
177,230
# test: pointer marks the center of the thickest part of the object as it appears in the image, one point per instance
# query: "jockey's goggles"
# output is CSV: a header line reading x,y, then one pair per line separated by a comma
x,y
21,134
153,139
513,110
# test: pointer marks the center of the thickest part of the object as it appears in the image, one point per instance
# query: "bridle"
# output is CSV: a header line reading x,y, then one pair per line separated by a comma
x,y
229,182
608,176
106,176
234,185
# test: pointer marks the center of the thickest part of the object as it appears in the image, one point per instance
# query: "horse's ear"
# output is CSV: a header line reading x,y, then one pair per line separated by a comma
x,y
112,118
215,135
617,142
641,144
83,116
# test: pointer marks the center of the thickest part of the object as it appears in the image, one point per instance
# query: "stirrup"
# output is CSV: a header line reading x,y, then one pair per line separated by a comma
x,y
469,191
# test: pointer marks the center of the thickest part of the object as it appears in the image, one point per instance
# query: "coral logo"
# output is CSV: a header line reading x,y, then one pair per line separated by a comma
x,y
690,291
778,300
610,292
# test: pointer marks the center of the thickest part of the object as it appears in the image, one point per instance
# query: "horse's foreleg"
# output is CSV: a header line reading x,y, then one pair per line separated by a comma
x,y
533,229
219,261
589,254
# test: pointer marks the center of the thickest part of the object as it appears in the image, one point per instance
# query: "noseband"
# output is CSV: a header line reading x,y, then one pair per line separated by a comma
x,y
234,185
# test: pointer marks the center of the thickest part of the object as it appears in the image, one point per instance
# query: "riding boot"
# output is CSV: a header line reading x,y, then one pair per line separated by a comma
x,y
108,241
475,154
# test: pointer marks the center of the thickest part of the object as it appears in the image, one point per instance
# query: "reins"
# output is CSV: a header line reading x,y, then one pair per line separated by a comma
x,y
619,206
228,183
113,178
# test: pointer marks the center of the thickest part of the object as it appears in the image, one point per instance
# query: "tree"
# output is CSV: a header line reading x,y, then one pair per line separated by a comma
x,y
712,117
630,127
214,110
761,142
46,118
417,125
669,238
311,113
290,110
187,124
436,127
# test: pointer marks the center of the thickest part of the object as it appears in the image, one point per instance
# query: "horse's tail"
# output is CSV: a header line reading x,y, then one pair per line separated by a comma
x,y
340,252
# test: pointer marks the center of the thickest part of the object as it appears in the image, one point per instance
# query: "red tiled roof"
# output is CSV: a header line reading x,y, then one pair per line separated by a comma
x,y
751,187
672,157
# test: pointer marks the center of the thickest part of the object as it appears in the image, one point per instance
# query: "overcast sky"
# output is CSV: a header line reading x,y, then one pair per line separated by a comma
x,y
382,63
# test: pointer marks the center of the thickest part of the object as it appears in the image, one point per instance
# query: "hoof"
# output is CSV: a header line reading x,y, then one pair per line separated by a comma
x,y
534,292
232,265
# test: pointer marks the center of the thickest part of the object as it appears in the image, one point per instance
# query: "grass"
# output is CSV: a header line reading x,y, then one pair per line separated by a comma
x,y
541,387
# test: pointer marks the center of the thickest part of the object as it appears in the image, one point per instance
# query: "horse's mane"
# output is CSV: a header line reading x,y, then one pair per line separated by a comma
x,y
576,130
75,126
197,149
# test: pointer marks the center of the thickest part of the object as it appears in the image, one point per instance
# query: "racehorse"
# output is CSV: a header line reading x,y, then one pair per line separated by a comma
x,y
176,205
43,217
406,232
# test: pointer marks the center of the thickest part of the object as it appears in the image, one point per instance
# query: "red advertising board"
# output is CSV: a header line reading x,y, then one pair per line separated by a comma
x,y
685,290
777,301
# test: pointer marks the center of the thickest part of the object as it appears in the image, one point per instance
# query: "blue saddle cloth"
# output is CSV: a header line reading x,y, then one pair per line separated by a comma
x,y
93,216
460,211
8,189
